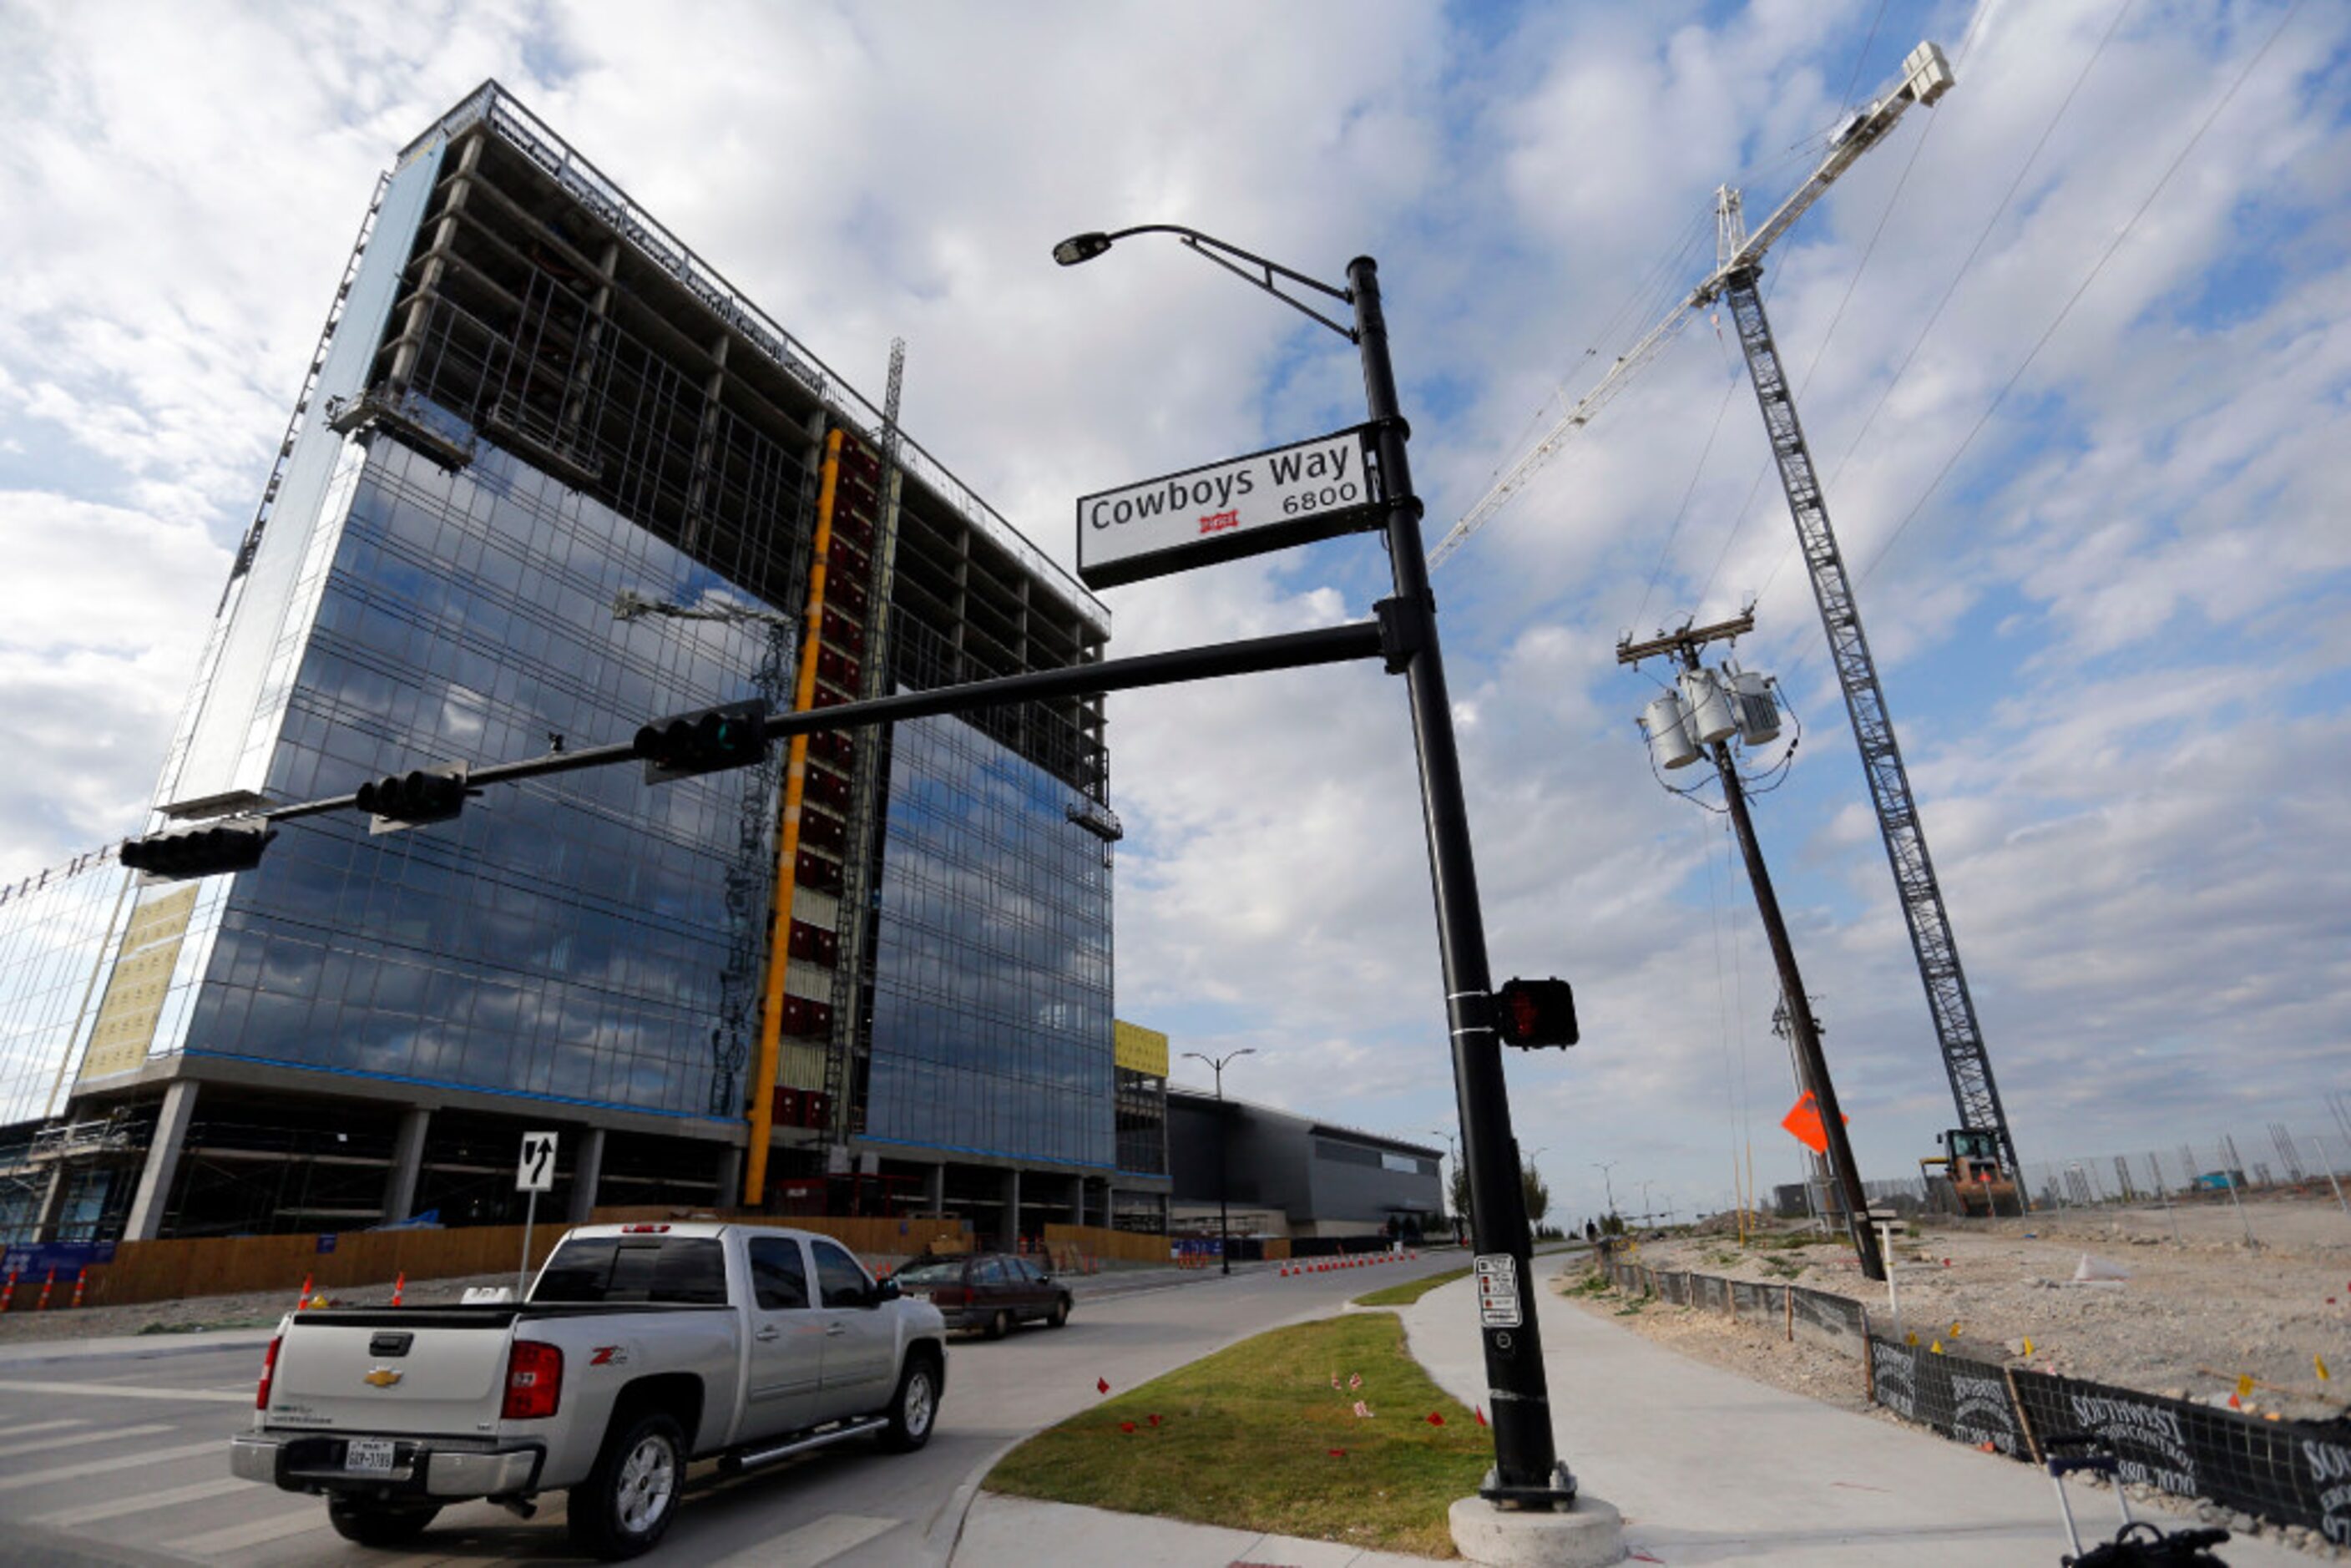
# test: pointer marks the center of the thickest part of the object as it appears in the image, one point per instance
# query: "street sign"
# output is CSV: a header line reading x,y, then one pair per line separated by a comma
x,y
1497,1290
1240,506
536,1173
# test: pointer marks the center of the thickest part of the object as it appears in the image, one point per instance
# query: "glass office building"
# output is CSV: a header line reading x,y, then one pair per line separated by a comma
x,y
552,478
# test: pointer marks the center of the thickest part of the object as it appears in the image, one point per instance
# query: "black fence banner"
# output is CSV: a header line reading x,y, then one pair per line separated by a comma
x,y
1835,1322
2288,1471
1967,1401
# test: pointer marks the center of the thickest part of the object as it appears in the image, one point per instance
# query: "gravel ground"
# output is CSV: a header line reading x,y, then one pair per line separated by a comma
x,y
2193,1315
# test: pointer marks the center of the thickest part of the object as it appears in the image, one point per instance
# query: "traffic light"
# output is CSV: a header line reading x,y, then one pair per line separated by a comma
x,y
412,799
233,844
1535,1012
706,741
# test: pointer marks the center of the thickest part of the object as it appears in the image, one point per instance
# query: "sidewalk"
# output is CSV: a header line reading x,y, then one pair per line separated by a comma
x,y
1705,1467
1708,1467
1021,1532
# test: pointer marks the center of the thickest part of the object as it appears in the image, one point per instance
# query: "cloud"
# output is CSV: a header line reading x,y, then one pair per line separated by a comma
x,y
2112,636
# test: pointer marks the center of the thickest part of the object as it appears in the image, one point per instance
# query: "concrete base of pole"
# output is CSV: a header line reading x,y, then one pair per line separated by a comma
x,y
1590,1534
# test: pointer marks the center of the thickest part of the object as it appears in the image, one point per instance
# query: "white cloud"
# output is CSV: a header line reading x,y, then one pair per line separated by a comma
x,y
2123,781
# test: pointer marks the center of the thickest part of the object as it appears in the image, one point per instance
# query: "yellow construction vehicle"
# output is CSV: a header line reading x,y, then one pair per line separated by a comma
x,y
1968,1178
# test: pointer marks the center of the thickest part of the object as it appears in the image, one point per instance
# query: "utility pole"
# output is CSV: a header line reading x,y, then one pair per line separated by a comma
x,y
1603,1167
1813,1071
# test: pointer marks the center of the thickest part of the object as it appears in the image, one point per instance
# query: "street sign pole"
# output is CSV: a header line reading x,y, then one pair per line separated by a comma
x,y
534,1174
1527,1471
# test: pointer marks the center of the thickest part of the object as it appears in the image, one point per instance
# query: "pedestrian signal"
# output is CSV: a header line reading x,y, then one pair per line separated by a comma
x,y
1535,1013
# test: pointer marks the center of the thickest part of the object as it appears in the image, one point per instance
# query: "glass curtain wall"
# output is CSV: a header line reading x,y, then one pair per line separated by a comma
x,y
563,939
992,984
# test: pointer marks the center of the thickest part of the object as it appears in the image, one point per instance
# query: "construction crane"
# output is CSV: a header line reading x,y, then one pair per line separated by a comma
x,y
1926,76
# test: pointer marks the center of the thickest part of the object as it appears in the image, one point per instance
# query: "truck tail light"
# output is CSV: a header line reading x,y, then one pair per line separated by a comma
x,y
534,1381
268,1371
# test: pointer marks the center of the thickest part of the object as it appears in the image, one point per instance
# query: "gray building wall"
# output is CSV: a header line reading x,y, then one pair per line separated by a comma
x,y
1323,1179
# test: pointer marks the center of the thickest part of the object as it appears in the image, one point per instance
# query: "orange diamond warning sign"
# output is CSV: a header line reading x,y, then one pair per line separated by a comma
x,y
1803,1123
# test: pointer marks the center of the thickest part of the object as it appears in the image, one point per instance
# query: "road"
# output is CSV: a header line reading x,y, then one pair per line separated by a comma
x,y
122,1458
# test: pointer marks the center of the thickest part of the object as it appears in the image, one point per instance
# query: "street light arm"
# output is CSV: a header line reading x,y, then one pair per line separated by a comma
x,y
1084,247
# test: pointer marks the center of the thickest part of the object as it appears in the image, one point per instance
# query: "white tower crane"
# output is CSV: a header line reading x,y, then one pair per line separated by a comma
x,y
1925,77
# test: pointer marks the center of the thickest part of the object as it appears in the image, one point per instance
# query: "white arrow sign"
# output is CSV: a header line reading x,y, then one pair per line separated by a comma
x,y
1243,506
537,1171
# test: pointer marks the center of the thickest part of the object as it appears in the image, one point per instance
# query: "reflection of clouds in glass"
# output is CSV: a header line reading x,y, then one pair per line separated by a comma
x,y
992,984
565,938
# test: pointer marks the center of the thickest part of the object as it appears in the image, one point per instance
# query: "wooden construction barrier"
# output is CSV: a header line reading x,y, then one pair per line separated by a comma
x,y
213,1266
1095,1241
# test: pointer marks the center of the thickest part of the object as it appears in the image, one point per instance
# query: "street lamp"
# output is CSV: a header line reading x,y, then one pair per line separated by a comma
x,y
1646,1216
1603,1167
1451,1209
1527,1473
1224,1224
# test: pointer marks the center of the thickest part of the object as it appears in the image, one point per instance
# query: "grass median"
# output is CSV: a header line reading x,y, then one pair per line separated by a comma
x,y
1255,1437
1411,1291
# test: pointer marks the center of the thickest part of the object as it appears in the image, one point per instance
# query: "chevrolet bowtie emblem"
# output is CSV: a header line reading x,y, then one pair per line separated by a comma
x,y
383,1377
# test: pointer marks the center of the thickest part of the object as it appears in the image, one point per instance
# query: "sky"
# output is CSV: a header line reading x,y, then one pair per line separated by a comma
x,y
2073,349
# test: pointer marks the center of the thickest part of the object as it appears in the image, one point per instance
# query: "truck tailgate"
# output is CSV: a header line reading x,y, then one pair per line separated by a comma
x,y
419,1371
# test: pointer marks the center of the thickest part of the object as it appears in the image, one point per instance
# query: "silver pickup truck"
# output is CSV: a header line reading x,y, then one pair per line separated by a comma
x,y
640,1348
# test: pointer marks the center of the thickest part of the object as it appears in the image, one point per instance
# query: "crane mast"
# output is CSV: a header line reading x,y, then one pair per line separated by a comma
x,y
1926,76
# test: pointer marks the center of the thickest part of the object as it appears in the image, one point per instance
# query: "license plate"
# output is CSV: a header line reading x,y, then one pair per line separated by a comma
x,y
368,1456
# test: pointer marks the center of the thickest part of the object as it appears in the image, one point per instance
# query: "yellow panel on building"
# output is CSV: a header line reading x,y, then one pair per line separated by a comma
x,y
1139,1050
125,1028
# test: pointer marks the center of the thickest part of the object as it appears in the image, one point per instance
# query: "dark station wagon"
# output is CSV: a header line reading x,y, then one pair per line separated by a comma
x,y
988,1291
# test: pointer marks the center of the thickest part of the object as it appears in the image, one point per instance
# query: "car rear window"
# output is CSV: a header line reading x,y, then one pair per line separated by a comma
x,y
683,1270
949,1274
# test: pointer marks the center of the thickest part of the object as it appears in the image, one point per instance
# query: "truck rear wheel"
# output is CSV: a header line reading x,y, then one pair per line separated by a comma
x,y
625,1505
373,1523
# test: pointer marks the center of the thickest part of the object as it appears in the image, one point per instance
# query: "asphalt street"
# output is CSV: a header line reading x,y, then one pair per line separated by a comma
x,y
122,1458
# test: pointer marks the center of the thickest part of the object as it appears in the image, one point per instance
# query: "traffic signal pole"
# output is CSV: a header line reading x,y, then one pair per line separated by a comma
x,y
1527,1471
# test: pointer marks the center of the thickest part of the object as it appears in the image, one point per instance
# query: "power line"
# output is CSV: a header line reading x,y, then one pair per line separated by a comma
x,y
1965,264
2091,276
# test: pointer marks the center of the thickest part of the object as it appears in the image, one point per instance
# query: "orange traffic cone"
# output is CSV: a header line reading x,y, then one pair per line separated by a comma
x,y
304,1299
80,1278
8,1291
399,1283
47,1285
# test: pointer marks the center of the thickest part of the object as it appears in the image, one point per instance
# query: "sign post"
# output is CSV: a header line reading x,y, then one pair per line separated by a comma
x,y
534,1174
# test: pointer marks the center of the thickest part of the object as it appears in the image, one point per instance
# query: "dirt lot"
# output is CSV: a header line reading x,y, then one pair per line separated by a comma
x,y
2192,1316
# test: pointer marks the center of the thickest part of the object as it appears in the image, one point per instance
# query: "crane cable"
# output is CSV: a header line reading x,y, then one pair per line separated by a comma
x,y
2059,319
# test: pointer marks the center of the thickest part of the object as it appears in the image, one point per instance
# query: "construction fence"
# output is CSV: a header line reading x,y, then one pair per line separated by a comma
x,y
2289,1473
172,1270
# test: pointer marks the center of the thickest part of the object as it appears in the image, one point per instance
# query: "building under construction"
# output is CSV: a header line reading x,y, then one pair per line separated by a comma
x,y
550,477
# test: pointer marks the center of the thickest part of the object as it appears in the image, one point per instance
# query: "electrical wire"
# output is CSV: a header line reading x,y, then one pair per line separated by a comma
x,y
1965,264
2065,310
1698,471
1861,56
